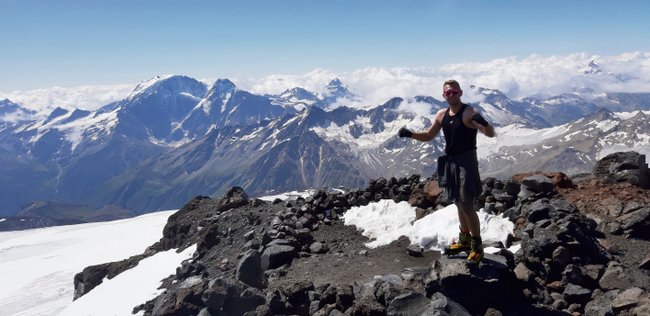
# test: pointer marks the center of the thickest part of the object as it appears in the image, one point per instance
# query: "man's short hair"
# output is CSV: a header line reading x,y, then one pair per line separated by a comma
x,y
452,83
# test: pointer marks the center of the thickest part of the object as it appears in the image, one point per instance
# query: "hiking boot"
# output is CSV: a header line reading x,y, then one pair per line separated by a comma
x,y
476,253
463,244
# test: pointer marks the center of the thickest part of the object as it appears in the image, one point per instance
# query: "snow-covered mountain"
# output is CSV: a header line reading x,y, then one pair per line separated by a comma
x,y
573,147
174,138
297,98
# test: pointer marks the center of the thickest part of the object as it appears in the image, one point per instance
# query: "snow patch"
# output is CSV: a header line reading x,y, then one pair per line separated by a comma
x,y
629,115
131,287
606,125
516,135
368,140
385,221
92,125
53,255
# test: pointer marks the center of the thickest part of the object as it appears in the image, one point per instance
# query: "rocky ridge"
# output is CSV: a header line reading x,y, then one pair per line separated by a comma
x,y
578,255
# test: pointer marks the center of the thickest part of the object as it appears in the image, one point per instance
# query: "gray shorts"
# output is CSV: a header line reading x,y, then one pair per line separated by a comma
x,y
465,200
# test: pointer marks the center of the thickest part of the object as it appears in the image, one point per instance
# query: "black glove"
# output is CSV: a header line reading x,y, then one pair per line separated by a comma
x,y
478,118
403,132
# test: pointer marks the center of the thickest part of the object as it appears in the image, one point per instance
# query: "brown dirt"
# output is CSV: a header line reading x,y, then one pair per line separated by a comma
x,y
596,200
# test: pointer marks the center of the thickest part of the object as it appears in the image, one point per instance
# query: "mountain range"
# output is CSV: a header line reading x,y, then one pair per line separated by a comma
x,y
174,138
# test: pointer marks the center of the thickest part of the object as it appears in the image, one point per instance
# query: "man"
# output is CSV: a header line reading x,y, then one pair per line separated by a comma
x,y
458,169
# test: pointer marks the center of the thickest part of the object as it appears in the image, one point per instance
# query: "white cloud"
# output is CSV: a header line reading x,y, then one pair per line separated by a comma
x,y
516,77
535,75
416,108
314,81
82,97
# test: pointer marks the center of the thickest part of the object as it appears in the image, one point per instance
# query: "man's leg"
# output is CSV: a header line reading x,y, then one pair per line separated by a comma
x,y
466,210
468,218
462,219
464,241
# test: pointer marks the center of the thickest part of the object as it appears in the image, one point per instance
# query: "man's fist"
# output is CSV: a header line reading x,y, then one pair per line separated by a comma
x,y
403,132
478,118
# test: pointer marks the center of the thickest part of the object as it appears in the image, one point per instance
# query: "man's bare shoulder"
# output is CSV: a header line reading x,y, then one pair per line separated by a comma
x,y
470,110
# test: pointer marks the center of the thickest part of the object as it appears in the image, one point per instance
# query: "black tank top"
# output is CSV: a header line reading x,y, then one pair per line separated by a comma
x,y
458,137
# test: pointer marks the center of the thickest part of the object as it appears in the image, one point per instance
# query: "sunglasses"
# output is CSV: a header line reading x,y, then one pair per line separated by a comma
x,y
449,93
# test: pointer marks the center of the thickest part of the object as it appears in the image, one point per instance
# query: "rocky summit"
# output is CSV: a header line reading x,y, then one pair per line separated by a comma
x,y
584,250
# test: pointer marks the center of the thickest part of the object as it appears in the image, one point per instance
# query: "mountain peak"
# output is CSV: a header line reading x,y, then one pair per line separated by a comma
x,y
336,90
223,86
592,68
168,82
336,87
298,93
9,107
56,113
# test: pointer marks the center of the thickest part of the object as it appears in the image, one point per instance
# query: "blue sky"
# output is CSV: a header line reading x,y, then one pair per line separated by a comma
x,y
68,42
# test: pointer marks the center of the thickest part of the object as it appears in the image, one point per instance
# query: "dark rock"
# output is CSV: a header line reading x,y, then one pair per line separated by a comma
x,y
366,306
385,291
537,184
512,187
276,255
573,274
506,199
645,264
219,293
637,223
209,238
415,250
623,167
415,275
344,297
247,302
414,303
329,295
92,276
490,208
318,247
576,294
539,210
249,269
314,306
561,257
297,295
249,235
600,304
614,277
493,279
422,212
183,301
442,303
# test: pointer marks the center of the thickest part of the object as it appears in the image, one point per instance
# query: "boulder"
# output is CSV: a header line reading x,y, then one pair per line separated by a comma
x,y
600,304
576,294
249,269
277,255
627,298
537,184
492,279
366,306
614,277
637,223
414,303
623,167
